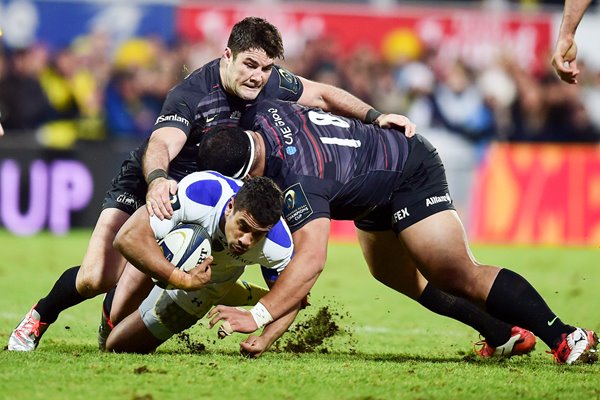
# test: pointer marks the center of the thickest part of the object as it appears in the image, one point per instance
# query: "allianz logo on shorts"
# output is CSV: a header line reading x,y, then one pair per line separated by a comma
x,y
438,199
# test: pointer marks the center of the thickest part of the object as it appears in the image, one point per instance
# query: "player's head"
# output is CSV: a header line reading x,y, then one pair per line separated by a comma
x,y
252,213
228,150
248,60
253,33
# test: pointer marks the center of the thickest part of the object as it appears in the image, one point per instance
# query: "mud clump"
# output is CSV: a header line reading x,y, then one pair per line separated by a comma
x,y
308,336
191,345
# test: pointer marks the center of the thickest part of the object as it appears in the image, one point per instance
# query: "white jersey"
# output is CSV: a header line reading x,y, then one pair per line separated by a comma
x,y
201,199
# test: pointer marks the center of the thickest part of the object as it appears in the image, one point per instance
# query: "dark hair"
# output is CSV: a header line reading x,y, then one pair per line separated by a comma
x,y
224,149
262,199
255,33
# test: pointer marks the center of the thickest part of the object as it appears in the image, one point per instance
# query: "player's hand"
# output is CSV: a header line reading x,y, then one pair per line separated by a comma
x,y
397,121
254,346
200,275
158,197
240,320
564,60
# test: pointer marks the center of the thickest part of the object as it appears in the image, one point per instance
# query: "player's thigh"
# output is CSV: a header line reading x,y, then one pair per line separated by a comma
x,y
102,264
165,317
390,262
440,248
133,287
132,336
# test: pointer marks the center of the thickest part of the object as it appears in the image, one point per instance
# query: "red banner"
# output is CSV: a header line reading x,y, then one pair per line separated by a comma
x,y
476,36
542,194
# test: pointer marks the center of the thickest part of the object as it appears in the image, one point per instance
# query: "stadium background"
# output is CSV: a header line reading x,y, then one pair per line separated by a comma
x,y
81,84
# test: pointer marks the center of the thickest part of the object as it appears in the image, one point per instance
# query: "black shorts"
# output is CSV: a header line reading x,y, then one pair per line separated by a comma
x,y
128,189
422,193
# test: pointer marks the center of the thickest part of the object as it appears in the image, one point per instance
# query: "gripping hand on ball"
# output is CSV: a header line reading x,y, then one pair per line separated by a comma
x,y
194,279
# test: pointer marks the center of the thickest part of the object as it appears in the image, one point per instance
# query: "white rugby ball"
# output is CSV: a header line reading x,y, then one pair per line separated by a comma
x,y
185,246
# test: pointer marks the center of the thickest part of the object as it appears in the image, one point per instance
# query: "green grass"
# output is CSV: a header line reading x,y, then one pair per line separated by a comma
x,y
390,347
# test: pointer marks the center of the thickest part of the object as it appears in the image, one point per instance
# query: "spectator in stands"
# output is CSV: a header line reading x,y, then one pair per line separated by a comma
x,y
22,99
144,71
129,111
459,106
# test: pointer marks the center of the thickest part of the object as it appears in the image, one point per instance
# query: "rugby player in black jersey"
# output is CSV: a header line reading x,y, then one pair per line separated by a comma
x,y
395,190
216,93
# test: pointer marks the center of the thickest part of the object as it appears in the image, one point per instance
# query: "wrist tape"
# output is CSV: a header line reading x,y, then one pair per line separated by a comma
x,y
261,315
157,173
372,115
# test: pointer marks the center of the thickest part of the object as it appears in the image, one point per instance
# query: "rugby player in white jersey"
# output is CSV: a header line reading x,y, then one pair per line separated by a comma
x,y
245,226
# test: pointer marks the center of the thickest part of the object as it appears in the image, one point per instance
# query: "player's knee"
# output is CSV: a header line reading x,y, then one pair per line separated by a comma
x,y
92,282
458,281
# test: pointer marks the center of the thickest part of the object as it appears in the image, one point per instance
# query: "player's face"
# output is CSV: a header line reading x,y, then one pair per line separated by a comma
x,y
242,232
247,73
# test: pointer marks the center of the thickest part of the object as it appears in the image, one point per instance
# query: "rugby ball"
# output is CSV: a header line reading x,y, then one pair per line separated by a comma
x,y
184,247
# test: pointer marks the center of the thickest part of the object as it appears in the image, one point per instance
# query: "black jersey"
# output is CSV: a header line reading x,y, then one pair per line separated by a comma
x,y
200,102
328,166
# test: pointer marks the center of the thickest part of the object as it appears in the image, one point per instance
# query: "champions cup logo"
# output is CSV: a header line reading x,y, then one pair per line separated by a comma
x,y
286,75
290,199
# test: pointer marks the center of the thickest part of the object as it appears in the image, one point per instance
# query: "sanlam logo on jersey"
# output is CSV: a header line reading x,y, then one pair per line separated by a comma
x,y
438,199
172,117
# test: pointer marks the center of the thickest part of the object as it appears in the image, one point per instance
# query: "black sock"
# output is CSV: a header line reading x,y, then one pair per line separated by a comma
x,y
496,332
513,299
63,295
107,305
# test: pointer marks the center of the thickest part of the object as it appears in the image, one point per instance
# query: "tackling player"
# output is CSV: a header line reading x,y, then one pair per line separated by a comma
x,y
395,190
216,93
245,227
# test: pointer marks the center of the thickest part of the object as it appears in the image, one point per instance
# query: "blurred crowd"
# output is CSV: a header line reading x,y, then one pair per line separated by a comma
x,y
90,91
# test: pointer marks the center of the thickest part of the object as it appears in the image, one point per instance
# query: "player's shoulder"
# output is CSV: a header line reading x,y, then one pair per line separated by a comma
x,y
283,84
200,82
208,187
280,235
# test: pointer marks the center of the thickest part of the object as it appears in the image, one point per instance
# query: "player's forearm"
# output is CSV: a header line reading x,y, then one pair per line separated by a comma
x,y
572,15
144,255
275,329
293,285
332,99
156,157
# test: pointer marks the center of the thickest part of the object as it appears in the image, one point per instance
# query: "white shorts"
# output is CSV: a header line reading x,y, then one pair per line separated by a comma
x,y
168,312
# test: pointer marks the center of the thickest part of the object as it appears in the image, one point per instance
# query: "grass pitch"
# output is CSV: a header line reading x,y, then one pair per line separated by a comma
x,y
388,346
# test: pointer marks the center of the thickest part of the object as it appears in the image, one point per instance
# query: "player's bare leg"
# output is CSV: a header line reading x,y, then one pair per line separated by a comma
x,y
100,270
132,336
439,245
390,263
132,289
102,264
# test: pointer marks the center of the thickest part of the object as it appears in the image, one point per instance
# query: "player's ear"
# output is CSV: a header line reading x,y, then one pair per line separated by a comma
x,y
227,54
229,207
